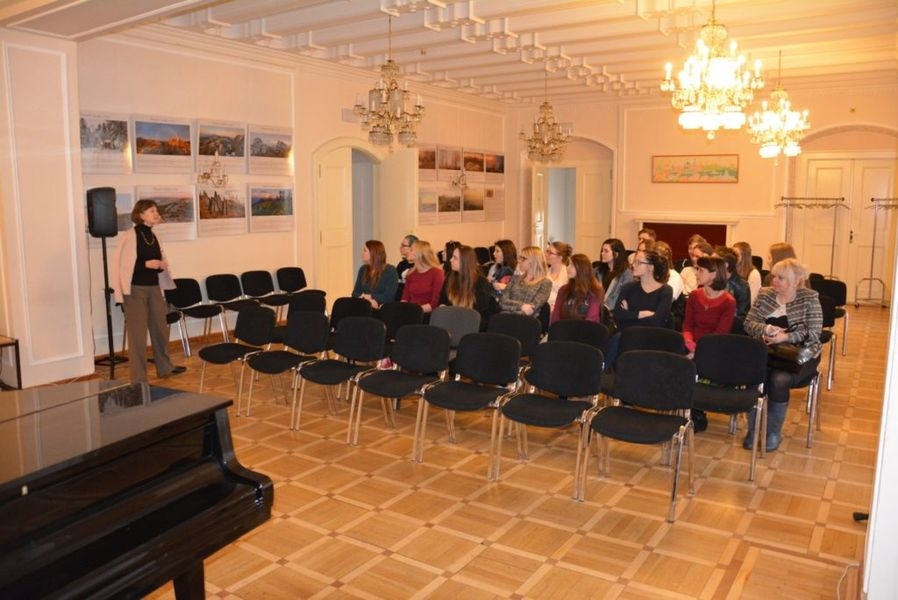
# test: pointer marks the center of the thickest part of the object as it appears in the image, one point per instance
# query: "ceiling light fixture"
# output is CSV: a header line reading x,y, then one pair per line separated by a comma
x,y
778,128
387,114
714,84
549,138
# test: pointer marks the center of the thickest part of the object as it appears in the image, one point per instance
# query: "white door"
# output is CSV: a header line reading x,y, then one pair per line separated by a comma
x,y
395,205
334,272
539,184
839,241
592,219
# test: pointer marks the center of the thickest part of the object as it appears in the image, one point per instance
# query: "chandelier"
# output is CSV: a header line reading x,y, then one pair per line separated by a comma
x,y
715,83
778,128
549,137
215,176
387,113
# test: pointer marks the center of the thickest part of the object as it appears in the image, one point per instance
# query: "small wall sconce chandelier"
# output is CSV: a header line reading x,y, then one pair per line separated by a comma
x,y
215,176
460,181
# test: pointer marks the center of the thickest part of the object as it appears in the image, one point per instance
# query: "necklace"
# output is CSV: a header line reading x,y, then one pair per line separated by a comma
x,y
148,242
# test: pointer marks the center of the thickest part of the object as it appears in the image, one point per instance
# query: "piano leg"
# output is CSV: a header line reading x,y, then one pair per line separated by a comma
x,y
189,584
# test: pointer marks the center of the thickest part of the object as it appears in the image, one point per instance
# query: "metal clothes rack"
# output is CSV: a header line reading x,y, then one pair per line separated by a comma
x,y
878,204
813,202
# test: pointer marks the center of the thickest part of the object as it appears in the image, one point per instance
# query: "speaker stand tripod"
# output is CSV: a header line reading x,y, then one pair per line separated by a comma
x,y
112,359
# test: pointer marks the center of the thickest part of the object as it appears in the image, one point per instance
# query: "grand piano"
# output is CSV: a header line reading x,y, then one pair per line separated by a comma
x,y
110,489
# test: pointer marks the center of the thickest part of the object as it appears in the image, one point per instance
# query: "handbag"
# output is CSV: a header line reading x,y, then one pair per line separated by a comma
x,y
791,357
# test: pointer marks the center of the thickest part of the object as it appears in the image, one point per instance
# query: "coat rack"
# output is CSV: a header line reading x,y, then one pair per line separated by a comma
x,y
878,204
813,202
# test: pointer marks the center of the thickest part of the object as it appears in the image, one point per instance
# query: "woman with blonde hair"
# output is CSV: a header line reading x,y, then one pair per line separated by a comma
x,y
376,281
558,257
425,279
527,292
466,286
746,269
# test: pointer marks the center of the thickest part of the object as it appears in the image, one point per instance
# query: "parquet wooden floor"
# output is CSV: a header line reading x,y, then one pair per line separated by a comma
x,y
366,522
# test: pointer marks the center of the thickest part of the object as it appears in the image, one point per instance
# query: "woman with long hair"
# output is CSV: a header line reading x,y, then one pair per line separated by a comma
x,y
710,308
505,263
376,281
613,270
778,251
582,297
558,258
425,279
466,286
527,292
746,269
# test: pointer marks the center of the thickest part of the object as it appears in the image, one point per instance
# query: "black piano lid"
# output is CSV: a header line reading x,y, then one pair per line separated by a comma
x,y
44,427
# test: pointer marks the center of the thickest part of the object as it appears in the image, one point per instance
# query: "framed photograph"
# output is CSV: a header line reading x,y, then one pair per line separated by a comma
x,y
695,168
105,145
162,145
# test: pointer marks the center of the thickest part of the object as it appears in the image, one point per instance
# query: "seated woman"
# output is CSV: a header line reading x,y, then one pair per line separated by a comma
x,y
526,293
778,251
376,281
425,279
613,270
736,286
710,308
404,265
505,263
645,301
582,297
558,257
687,273
785,312
746,269
465,286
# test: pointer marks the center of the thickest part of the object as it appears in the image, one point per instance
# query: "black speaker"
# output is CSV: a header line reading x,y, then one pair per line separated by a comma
x,y
102,220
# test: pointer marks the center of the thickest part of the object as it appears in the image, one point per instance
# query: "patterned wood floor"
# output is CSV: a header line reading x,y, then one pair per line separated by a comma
x,y
366,522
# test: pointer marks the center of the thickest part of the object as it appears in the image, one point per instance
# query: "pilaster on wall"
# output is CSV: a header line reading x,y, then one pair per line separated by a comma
x,y
44,293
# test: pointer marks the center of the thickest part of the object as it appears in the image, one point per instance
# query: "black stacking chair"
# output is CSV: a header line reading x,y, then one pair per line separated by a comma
x,y
348,306
252,333
458,321
291,279
657,388
524,328
358,344
731,372
564,382
305,339
187,299
224,289
486,369
828,336
838,291
307,300
811,381
639,337
395,315
483,254
420,356
259,286
586,332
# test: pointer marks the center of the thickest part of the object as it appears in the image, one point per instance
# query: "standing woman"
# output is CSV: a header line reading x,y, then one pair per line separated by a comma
x,y
376,281
582,297
139,274
425,279
785,312
526,293
558,257
466,286
613,270
746,269
505,263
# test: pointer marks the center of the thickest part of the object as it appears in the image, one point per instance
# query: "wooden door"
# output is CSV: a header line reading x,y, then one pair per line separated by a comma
x,y
334,272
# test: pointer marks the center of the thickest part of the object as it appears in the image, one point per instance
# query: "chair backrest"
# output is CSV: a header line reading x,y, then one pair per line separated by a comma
x,y
835,289
255,325
186,293
396,314
360,339
223,287
257,283
568,369
291,279
313,300
639,337
421,348
307,331
544,316
492,358
730,359
348,306
828,308
654,379
813,277
526,329
585,332
457,320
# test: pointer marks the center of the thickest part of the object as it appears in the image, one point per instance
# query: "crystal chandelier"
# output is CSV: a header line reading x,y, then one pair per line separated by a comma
x,y
549,138
215,176
715,83
778,128
387,113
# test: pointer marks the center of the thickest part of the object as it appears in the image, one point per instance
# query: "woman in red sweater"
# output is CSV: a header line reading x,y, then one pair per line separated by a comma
x,y
710,308
424,280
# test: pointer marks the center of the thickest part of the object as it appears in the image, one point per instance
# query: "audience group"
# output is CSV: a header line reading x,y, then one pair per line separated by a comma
x,y
714,290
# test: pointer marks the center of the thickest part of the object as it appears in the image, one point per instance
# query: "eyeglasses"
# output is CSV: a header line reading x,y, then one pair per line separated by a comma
x,y
642,262
552,253
405,245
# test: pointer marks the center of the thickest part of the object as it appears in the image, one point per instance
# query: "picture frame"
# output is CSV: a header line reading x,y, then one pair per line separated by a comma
x,y
695,168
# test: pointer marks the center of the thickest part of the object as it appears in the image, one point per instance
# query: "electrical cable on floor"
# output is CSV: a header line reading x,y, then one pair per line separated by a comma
x,y
842,578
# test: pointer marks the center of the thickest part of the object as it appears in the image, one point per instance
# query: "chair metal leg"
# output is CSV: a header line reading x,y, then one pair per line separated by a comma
x,y
450,425
496,427
677,439
420,430
845,333
355,416
830,370
223,320
581,444
296,412
584,464
249,396
521,438
813,416
185,339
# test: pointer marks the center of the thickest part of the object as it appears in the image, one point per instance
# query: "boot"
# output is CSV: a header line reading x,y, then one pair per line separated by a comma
x,y
776,415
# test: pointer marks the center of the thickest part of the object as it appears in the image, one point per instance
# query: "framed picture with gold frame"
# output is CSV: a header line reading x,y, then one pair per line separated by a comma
x,y
695,168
